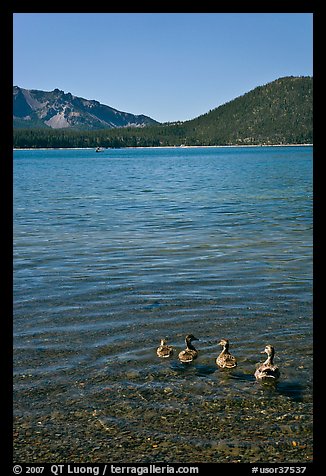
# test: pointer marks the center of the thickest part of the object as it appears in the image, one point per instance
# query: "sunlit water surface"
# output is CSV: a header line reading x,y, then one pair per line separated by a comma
x,y
115,250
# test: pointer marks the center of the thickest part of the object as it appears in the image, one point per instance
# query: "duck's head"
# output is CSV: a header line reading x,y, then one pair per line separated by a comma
x,y
269,350
224,342
163,342
190,337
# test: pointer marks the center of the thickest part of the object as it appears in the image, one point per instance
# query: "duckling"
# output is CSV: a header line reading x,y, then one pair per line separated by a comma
x,y
190,353
225,360
268,371
164,350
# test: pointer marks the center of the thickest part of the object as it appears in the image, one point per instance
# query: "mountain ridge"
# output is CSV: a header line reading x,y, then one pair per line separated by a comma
x,y
59,110
279,112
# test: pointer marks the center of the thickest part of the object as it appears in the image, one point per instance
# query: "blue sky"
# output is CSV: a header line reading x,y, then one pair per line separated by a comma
x,y
169,66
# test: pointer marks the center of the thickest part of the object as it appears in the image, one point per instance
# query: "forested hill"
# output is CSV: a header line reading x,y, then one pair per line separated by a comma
x,y
279,112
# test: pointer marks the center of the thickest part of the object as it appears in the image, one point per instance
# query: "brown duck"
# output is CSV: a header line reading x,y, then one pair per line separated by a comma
x,y
164,350
190,353
226,360
268,371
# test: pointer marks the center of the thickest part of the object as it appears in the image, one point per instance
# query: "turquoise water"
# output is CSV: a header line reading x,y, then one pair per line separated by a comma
x,y
115,250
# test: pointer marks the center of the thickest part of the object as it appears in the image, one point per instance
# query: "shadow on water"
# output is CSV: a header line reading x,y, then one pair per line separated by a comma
x,y
203,370
292,389
238,375
192,368
183,367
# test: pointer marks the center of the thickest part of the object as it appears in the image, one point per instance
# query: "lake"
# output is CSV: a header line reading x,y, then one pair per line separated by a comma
x,y
114,251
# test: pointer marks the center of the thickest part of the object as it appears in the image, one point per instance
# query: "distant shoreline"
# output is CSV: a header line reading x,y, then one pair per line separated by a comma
x,y
169,147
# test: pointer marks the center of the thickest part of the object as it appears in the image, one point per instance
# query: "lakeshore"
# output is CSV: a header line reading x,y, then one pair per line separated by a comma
x,y
170,147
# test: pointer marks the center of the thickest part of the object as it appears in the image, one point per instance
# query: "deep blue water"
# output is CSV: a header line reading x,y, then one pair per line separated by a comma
x,y
114,250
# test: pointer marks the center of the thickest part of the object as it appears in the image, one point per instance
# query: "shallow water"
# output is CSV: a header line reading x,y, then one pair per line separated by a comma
x,y
116,250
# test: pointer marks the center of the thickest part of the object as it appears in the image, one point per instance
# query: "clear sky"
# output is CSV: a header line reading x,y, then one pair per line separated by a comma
x,y
169,66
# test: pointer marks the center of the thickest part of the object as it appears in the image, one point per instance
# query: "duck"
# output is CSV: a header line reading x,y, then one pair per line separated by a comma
x,y
164,350
190,353
226,360
268,371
